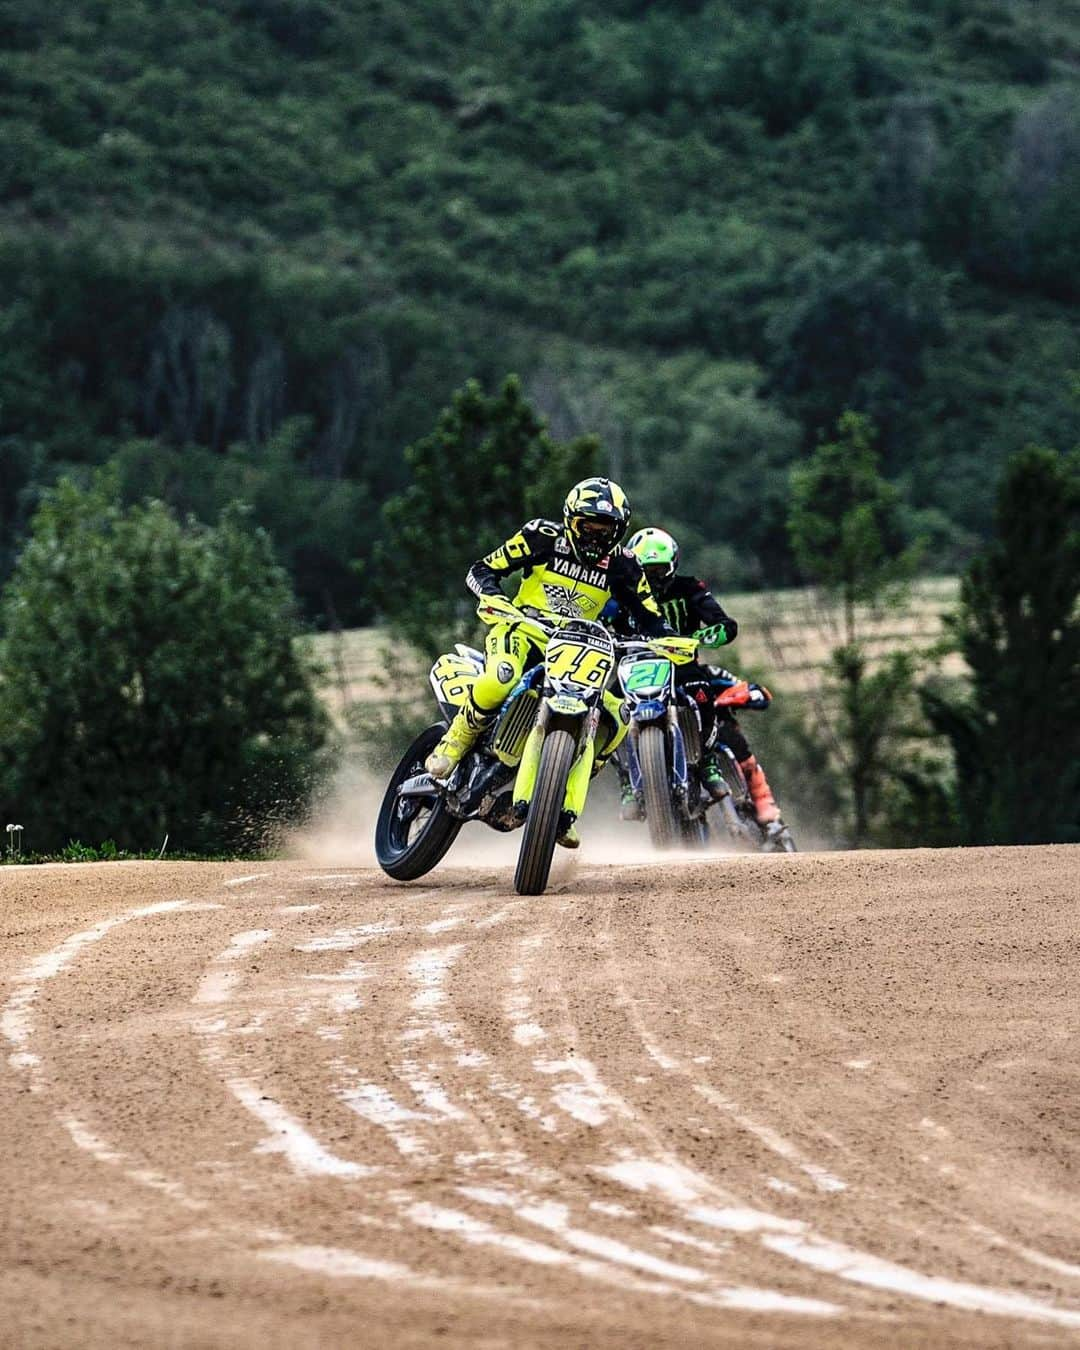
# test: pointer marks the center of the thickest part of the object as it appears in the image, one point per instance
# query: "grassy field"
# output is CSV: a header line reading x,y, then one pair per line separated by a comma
x,y
784,638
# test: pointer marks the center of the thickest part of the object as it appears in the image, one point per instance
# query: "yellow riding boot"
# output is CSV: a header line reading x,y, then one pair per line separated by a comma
x,y
461,736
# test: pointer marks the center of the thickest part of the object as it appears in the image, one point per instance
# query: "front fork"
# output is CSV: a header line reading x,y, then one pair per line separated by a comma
x,y
673,735
577,784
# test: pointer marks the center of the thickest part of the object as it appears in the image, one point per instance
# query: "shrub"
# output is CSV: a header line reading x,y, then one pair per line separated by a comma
x,y
149,681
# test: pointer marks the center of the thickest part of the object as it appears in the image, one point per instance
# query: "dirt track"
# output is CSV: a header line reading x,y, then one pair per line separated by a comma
x,y
802,1101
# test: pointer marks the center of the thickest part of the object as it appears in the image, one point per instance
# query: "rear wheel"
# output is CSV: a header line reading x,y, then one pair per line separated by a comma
x,y
414,833
545,809
695,833
736,808
656,783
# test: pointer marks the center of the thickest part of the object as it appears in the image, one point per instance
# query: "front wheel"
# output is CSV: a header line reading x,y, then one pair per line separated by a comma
x,y
542,822
655,780
414,833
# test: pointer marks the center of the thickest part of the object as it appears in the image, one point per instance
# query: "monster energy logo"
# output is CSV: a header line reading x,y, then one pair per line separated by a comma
x,y
676,614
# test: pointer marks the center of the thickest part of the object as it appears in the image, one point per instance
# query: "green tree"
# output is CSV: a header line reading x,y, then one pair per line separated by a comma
x,y
856,331
318,525
220,218
1016,736
488,466
150,682
847,533
21,468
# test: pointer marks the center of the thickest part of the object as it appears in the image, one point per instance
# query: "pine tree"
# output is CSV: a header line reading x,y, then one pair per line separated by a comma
x,y
847,534
487,467
1016,738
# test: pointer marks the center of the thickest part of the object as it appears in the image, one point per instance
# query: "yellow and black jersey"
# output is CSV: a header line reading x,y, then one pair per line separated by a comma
x,y
555,582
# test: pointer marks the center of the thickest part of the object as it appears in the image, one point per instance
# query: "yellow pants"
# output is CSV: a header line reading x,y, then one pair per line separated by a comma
x,y
507,651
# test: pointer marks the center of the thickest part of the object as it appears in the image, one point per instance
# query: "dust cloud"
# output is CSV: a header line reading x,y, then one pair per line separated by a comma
x,y
342,833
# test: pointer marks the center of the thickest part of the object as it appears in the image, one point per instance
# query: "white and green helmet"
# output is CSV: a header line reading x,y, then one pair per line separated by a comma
x,y
656,552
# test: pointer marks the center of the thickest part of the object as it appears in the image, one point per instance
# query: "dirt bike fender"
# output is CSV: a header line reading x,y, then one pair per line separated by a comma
x,y
648,710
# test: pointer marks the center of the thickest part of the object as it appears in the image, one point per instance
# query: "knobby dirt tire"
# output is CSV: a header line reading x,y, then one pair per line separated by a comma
x,y
656,782
542,822
406,862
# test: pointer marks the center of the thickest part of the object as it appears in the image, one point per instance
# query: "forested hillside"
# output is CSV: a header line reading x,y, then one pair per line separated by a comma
x,y
248,248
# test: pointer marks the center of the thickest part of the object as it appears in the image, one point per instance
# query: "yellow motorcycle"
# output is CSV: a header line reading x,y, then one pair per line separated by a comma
x,y
530,768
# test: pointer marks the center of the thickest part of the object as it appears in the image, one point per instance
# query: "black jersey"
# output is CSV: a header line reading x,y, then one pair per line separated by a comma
x,y
687,605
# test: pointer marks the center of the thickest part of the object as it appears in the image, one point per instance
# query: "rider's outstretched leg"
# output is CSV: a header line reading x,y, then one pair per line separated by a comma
x,y
766,811
761,794
506,653
468,726
610,734
629,806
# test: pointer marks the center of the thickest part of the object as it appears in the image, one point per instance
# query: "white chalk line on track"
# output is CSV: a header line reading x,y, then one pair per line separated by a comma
x,y
822,1179
342,1263
609,1266
17,1018
875,1270
307,1156
217,985
17,1026
428,970
790,1238
287,1135
104,1152
795,1239
1029,1254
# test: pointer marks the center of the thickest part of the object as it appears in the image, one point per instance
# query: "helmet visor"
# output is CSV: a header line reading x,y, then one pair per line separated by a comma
x,y
593,537
659,574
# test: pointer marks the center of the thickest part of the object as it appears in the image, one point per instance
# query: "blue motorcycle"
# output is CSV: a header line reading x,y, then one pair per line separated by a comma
x,y
663,749
663,753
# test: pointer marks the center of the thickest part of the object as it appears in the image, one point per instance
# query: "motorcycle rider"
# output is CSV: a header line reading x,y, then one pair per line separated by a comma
x,y
570,570
690,608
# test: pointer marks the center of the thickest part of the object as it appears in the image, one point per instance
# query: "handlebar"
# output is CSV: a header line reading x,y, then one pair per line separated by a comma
x,y
493,609
679,651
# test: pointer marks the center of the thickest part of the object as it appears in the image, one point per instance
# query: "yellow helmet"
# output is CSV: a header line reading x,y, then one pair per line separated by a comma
x,y
596,515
